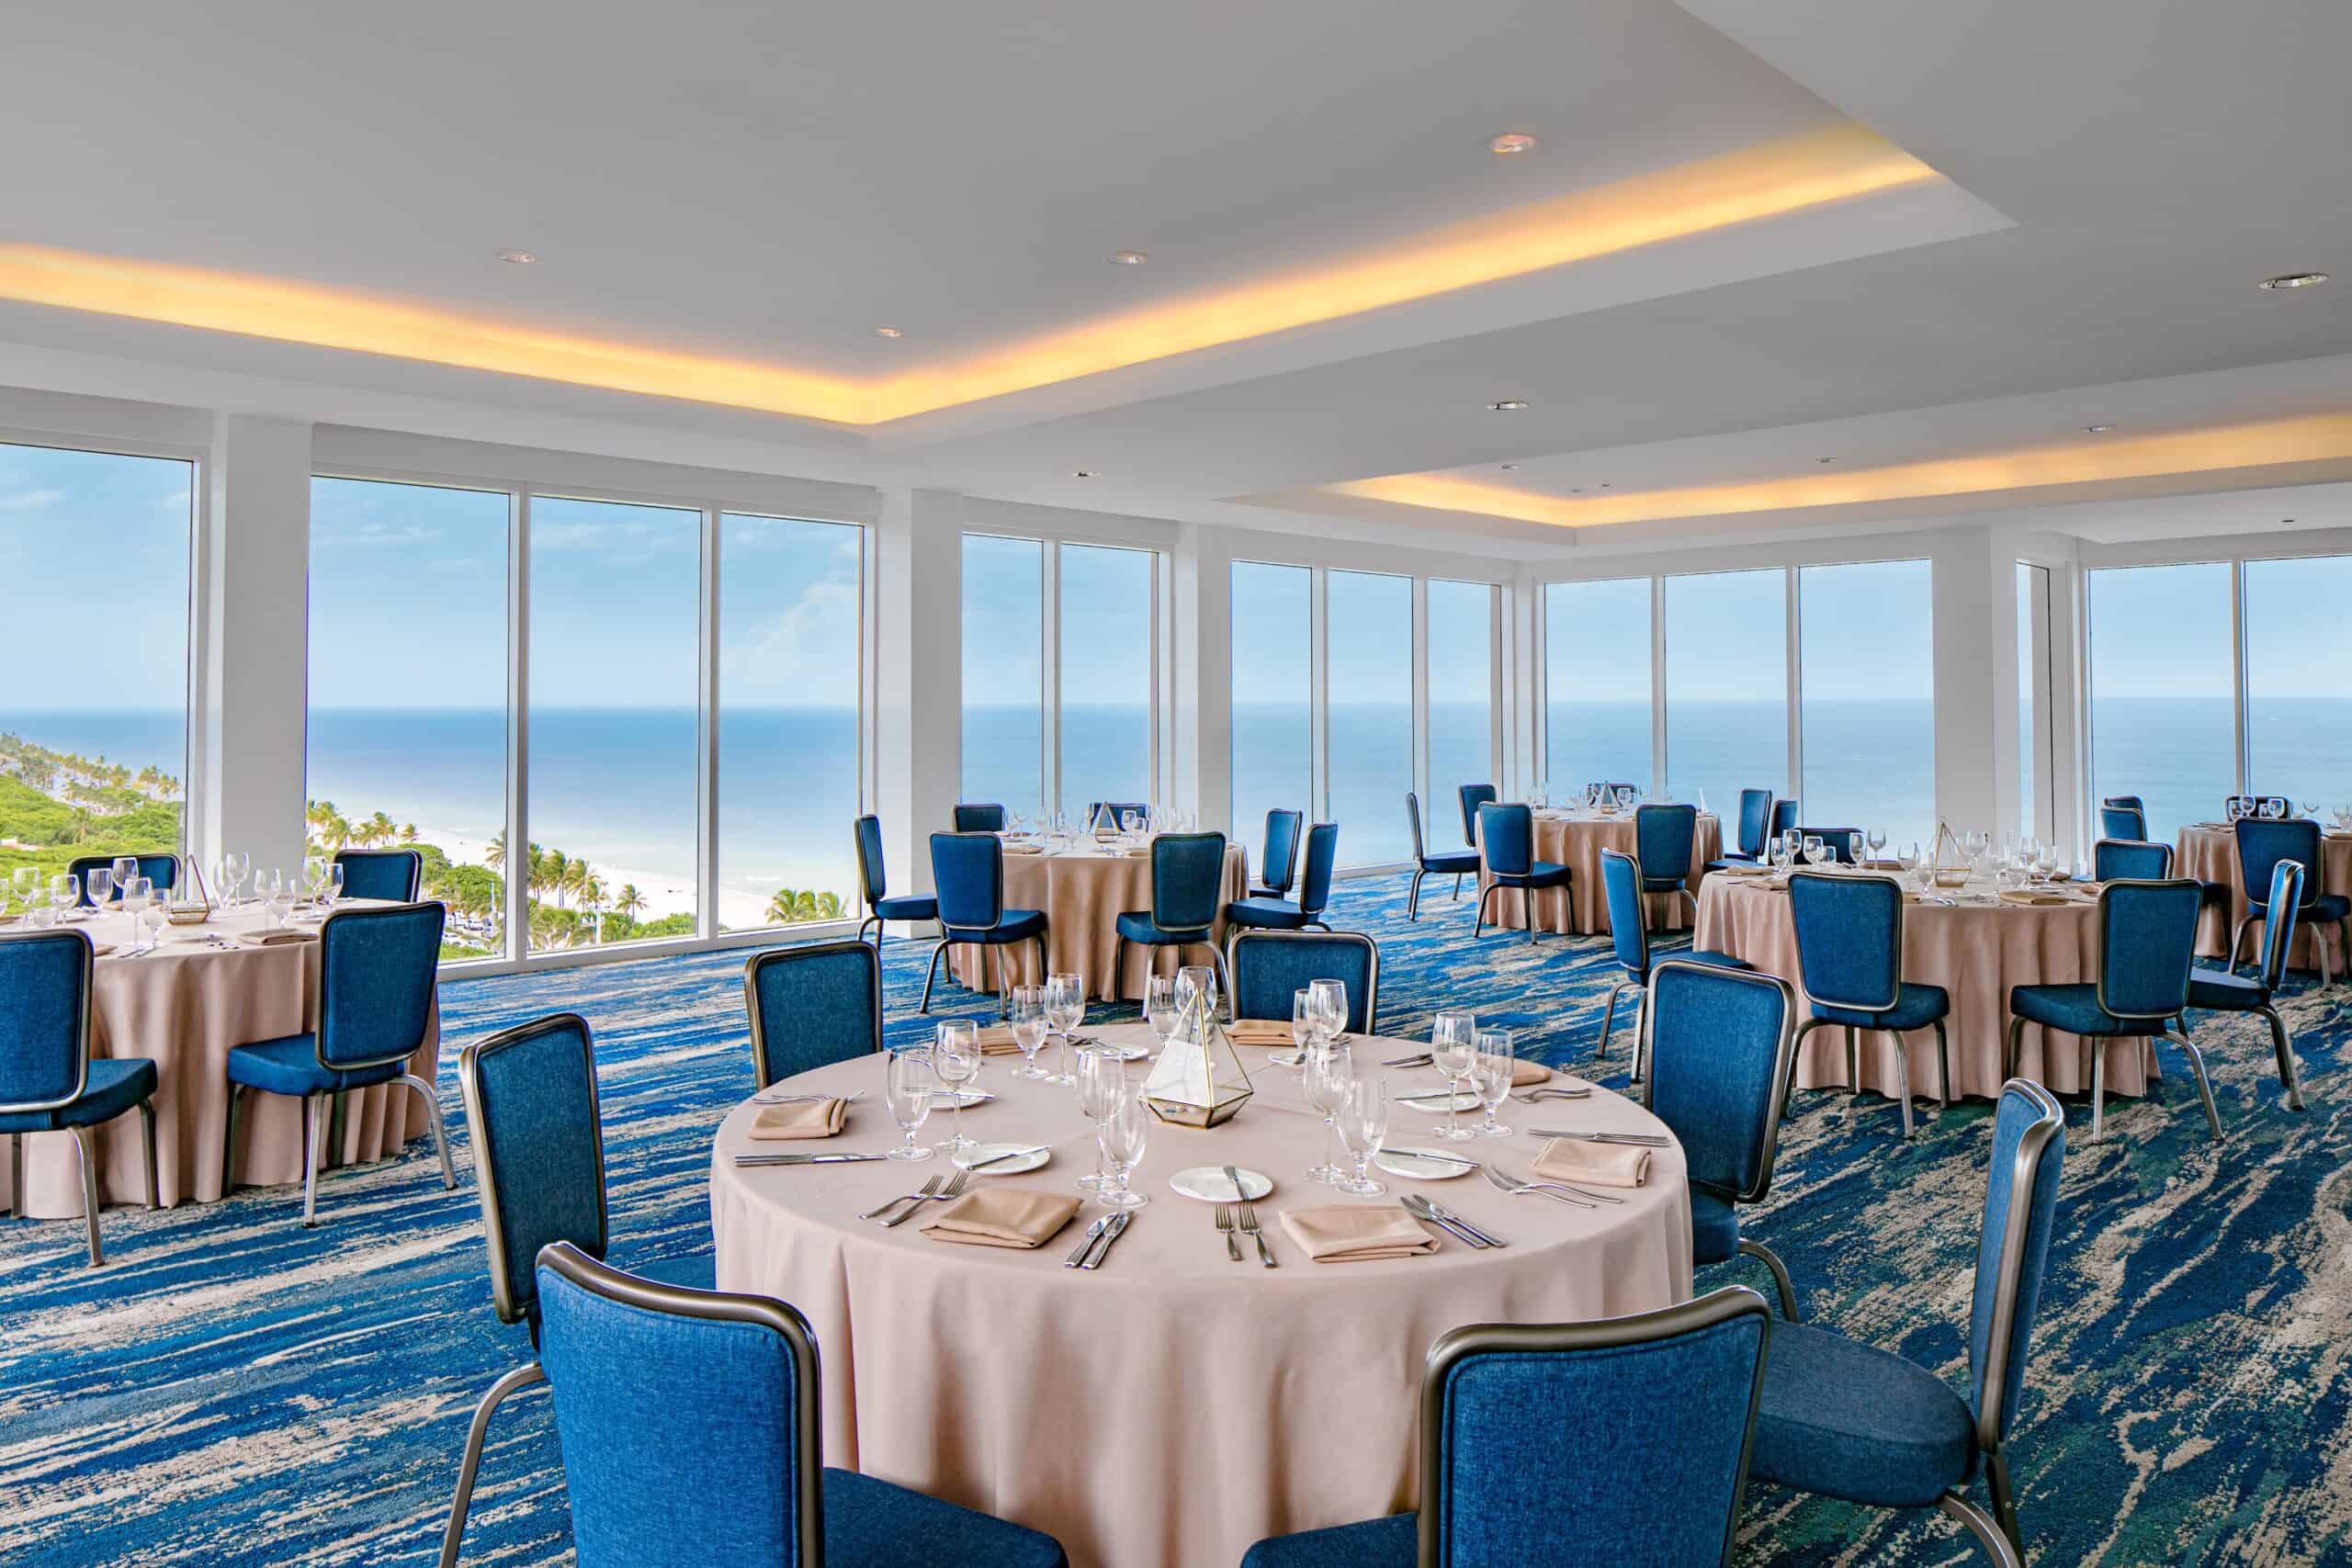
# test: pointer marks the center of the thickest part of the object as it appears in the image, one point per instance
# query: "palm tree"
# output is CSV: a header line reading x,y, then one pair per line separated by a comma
x,y
408,833
631,903
550,871
829,906
784,909
495,855
80,823
380,829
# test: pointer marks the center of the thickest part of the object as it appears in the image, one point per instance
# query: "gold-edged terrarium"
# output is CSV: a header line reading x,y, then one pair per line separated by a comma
x,y
1199,1080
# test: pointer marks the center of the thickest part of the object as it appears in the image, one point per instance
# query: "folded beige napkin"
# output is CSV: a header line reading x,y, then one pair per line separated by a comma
x,y
1525,1073
1257,1032
100,949
1003,1216
811,1119
2038,900
1357,1233
997,1040
1024,849
1594,1165
275,939
1741,868
1141,852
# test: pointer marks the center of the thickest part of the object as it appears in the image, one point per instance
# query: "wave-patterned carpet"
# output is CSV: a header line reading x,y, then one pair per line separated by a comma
x,y
232,1388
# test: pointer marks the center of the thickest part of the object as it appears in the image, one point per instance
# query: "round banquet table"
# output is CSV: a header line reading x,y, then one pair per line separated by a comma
x,y
1975,950
2209,851
1173,1406
184,1006
1084,892
1575,839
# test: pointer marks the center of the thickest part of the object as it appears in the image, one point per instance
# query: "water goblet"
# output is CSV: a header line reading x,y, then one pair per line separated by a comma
x,y
124,868
1876,839
1196,983
1064,1010
1160,1010
153,911
1330,999
1329,1070
906,1092
2046,859
956,1061
1120,1138
65,893
1453,1049
1362,1120
1812,851
315,875
26,879
1490,1075
1030,1026
98,885
138,892
1101,1084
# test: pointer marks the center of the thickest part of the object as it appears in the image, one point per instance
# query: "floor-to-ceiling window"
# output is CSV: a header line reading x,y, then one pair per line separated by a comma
x,y
2299,681
2035,815
406,738
1107,675
1462,703
1597,683
1371,714
1273,733
2162,721
1726,688
1866,684
790,679
1004,660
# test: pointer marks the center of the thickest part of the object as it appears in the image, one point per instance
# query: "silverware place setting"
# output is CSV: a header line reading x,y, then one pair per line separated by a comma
x,y
1538,1096
1228,1226
946,1187
1099,1239
744,1162
850,1098
1451,1222
1424,1060
1517,1186
1638,1140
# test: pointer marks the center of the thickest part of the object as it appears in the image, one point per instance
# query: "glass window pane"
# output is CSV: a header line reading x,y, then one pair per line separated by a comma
x,y
1596,683
1105,675
789,678
1371,621
2299,680
94,549
407,733
1866,668
1728,688
1273,698
614,712
2163,724
1004,663
1462,703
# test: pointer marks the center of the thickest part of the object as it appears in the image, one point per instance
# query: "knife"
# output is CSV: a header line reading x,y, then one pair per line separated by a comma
x,y
1639,1140
1086,1243
1418,1207
1449,1217
1102,1248
742,1160
1000,1159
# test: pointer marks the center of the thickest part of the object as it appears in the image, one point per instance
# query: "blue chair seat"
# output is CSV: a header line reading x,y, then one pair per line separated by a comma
x,y
1731,858
291,1066
1709,955
912,906
1845,1420
1714,1228
872,1524
1914,1008
1017,925
1392,1542
1449,863
1266,914
115,1086
2075,1010
2324,908
1137,926
2225,992
1663,885
1540,873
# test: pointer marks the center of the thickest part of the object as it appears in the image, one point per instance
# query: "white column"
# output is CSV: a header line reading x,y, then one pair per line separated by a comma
x,y
253,655
919,676
1975,639
1202,565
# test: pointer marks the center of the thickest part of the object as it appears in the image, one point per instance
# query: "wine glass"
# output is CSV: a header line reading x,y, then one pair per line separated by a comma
x,y
2343,815
1120,1136
1160,1010
1490,1075
1064,1010
1329,1070
276,897
1452,1050
1813,851
1030,1026
906,1090
123,867
138,893
153,911
241,871
315,875
26,879
2046,859
956,1061
1306,1029
1196,983
1362,1118
98,886
332,888
1101,1084
1876,839
65,893
1331,1003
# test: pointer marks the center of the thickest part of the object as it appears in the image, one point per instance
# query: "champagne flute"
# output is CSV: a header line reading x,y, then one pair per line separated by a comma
x,y
1490,1075
1030,1027
906,1090
1066,1009
1363,1126
1101,1084
1121,1136
1329,1070
956,1061
1453,1049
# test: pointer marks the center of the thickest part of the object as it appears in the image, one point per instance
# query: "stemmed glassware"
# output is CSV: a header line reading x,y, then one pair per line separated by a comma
x,y
153,911
1329,999
1197,982
1876,839
1027,1017
1454,1050
64,894
955,1062
138,896
277,898
1121,1135
124,868
1491,1074
98,884
1101,1085
1362,1118
1160,1009
1329,1070
2343,815
1814,851
26,880
1064,1010
906,1090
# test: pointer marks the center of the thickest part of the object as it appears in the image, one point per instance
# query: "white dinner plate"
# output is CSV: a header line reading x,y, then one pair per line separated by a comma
x,y
970,1097
1125,1050
979,1154
1423,1165
1208,1183
1435,1102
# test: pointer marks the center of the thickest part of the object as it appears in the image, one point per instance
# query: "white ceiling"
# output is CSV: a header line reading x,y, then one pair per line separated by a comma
x,y
774,181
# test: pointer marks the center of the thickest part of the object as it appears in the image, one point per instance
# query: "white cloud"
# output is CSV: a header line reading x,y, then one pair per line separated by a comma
x,y
375,535
805,654
30,500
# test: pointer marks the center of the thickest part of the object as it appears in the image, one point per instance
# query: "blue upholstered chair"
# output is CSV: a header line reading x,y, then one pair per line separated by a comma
x,y
1268,913
1676,1390
2263,844
47,1081
725,1464
1843,1419
1663,837
986,817
1187,880
1844,844
2147,944
1474,796
164,871
2230,991
2122,816
530,1095
2130,860
1849,953
1629,932
1507,839
874,885
1722,1047
377,969
1753,831
396,876
1785,817
1279,869
1270,968
810,1006
969,871
1457,863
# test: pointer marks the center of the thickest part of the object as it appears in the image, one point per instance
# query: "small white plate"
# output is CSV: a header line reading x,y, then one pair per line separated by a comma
x,y
1208,1183
1125,1050
981,1153
1435,1104
970,1097
1423,1165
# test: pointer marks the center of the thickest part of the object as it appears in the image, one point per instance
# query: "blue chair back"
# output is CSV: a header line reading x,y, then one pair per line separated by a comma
x,y
2121,860
2262,844
812,1005
45,1020
968,870
987,817
1662,838
1844,844
530,1095
2012,1251
1849,939
394,875
2278,931
1723,1043
1474,796
873,881
1322,860
1784,818
1629,927
1413,820
2122,816
377,969
162,870
1679,1386
1754,820
2147,946
687,1420
1280,861
1507,835
1270,968
1187,880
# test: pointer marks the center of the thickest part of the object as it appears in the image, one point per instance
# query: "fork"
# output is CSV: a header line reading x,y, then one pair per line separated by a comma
x,y
1566,1194
1249,1225
1537,1096
1225,1224
953,1189
1638,1140
805,1099
929,1187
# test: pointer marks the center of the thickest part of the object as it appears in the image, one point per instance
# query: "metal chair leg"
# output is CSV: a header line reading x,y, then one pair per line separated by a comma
x,y
932,973
440,1133
1527,912
1457,885
2013,1051
313,1135
1981,1525
86,1154
229,1145
2004,1501
335,1132
1608,1021
477,1436
2237,939
2204,1086
2284,1045
1413,897
1479,915
1853,1067
1903,1080
1641,1038
1943,1066
2097,1047
17,1174
1780,1281
147,1143
1119,962
1224,979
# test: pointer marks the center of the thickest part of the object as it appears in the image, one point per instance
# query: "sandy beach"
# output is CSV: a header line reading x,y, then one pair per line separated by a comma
x,y
664,894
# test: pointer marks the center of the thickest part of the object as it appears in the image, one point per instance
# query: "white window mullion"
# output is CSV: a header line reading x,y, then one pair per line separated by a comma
x,y
1794,644
518,727
2237,671
1319,695
1420,754
1658,776
1049,675
1533,659
706,829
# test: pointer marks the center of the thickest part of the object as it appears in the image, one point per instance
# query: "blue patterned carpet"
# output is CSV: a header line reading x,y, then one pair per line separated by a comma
x,y
234,1389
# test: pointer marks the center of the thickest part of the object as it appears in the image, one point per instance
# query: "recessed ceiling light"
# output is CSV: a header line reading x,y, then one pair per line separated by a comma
x,y
1509,405
1825,460
524,258
1510,466
1126,258
1511,142
2295,280
2096,429
888,332
1081,473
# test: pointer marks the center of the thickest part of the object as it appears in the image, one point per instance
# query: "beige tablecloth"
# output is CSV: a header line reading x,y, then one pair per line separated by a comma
x,y
184,1007
1084,895
2211,854
1582,907
1171,1407
1974,952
